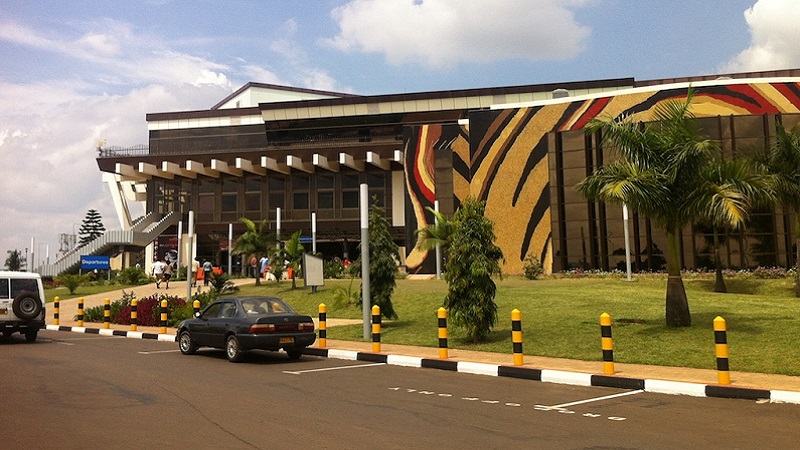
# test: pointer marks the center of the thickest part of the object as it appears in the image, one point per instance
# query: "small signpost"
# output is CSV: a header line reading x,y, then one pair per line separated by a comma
x,y
312,271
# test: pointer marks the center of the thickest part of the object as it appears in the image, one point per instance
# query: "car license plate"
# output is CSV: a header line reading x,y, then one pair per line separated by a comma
x,y
286,340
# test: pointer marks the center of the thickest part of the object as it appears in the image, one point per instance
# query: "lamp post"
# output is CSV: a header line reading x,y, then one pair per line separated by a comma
x,y
365,303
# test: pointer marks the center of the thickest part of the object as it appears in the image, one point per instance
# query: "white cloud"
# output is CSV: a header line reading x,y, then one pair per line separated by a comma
x,y
110,78
774,36
441,33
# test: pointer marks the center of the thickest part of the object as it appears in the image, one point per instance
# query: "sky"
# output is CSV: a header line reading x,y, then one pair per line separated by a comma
x,y
76,73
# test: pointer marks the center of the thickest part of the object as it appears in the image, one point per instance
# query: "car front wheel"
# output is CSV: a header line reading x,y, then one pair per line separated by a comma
x,y
232,349
186,344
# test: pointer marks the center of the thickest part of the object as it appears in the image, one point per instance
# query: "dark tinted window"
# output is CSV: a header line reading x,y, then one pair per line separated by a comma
x,y
212,311
29,285
4,288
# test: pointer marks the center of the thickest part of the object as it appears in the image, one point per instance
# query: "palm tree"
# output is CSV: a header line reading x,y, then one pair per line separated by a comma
x,y
293,252
782,162
256,241
435,234
667,171
737,181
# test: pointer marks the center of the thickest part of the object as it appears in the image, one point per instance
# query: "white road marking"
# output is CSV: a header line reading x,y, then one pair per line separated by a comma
x,y
159,351
298,372
63,343
596,399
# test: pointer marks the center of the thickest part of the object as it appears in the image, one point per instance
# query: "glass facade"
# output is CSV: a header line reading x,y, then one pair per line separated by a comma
x,y
590,235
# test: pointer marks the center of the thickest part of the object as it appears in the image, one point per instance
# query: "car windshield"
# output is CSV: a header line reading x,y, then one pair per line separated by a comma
x,y
259,306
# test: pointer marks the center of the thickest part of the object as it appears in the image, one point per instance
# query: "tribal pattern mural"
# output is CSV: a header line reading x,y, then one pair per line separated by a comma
x,y
422,143
508,162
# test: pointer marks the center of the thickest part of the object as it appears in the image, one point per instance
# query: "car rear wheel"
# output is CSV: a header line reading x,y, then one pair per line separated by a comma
x,y
26,306
232,349
186,344
294,353
30,334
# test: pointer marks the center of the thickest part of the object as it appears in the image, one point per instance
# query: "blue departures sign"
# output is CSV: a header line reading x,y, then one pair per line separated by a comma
x,y
89,262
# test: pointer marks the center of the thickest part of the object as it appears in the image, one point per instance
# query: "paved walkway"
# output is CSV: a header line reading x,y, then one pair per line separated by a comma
x,y
639,371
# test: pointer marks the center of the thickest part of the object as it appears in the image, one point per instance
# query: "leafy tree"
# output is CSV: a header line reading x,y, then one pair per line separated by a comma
x,y
91,228
669,172
474,259
293,253
256,241
782,162
383,258
15,260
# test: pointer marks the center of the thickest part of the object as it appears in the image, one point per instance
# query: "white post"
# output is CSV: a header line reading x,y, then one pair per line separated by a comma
x,y
365,297
314,233
47,254
278,226
33,257
190,232
230,248
180,245
627,240
438,246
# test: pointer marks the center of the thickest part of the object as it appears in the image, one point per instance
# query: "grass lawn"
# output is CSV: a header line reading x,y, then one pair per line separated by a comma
x,y
560,318
84,290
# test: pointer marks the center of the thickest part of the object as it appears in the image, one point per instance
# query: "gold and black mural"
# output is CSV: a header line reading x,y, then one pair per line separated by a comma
x,y
524,162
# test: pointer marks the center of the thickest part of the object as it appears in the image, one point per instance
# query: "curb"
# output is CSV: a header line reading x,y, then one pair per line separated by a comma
x,y
526,373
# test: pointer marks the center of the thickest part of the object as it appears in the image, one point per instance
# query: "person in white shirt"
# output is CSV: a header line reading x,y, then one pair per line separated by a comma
x,y
158,272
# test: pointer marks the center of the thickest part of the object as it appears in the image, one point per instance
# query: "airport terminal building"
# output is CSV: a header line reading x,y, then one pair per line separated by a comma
x,y
520,149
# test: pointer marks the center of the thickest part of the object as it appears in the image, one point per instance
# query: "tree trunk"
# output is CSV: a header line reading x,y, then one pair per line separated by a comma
x,y
677,305
797,256
719,285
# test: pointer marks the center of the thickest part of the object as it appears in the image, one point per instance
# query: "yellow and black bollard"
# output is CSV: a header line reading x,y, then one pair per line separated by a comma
x,y
80,312
134,304
196,307
442,314
56,308
164,305
376,329
323,325
516,336
607,344
107,314
721,345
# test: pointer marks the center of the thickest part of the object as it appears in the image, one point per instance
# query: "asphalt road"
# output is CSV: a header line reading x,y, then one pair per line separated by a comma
x,y
86,391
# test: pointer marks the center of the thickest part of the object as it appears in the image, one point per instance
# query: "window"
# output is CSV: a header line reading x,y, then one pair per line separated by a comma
x,y
252,194
300,191
277,192
4,288
212,311
230,188
350,189
228,310
325,185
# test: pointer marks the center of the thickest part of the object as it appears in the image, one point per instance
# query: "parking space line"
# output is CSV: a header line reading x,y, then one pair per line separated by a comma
x,y
355,366
159,351
596,399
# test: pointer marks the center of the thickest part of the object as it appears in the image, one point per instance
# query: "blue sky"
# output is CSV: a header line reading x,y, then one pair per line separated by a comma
x,y
77,72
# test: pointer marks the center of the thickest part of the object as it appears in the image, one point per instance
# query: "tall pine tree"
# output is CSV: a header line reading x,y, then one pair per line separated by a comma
x,y
473,260
91,228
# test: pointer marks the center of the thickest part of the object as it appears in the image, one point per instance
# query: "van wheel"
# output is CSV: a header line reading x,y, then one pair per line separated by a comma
x,y
26,306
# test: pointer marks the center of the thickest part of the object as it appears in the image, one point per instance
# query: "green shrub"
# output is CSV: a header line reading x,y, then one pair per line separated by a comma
x,y
71,281
533,268
132,276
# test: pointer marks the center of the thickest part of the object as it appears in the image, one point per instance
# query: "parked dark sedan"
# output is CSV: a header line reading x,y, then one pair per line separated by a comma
x,y
245,323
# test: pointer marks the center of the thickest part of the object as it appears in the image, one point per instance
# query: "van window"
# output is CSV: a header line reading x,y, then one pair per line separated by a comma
x,y
4,288
19,285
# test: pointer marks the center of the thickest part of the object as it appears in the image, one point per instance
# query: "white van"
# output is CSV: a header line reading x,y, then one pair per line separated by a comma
x,y
21,304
